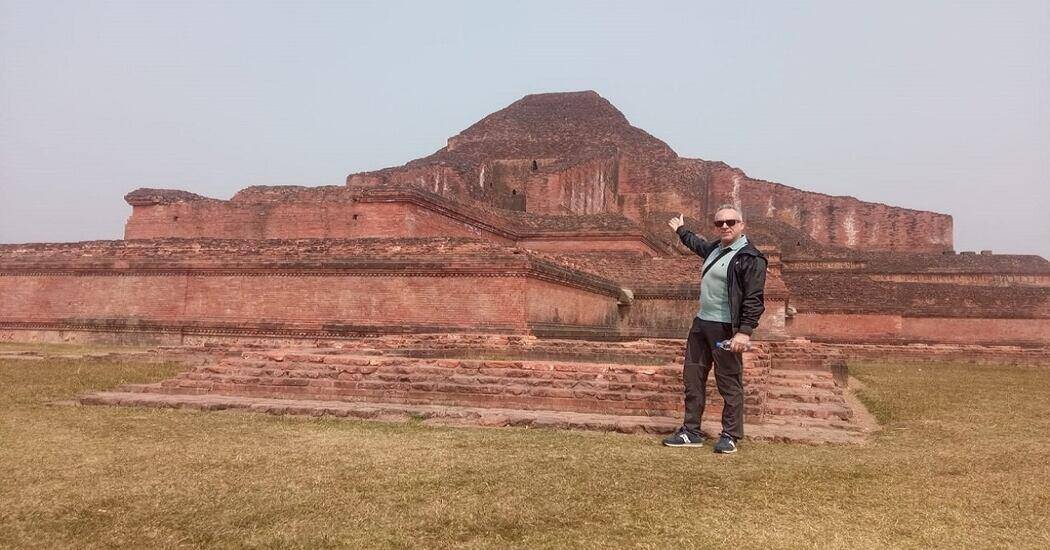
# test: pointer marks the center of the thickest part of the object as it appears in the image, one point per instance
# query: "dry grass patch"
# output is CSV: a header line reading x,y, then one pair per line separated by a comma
x,y
962,462
66,348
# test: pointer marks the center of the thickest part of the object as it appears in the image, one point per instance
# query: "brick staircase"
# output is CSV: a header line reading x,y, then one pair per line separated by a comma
x,y
806,389
790,392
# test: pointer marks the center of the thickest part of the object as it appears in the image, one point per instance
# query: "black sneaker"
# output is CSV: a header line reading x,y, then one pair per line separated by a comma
x,y
726,445
682,438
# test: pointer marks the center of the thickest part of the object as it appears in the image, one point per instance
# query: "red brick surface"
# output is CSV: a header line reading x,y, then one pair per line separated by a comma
x,y
292,212
840,221
793,390
576,153
548,154
861,328
964,353
428,284
305,288
545,218
323,288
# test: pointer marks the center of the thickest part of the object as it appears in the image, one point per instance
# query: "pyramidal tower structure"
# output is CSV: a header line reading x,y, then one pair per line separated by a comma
x,y
537,235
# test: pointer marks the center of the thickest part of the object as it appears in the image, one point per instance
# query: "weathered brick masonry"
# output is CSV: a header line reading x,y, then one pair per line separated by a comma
x,y
575,153
309,288
547,154
567,174
292,212
524,268
795,390
948,298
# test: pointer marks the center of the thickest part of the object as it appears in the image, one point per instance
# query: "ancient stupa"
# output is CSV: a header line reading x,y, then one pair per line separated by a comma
x,y
537,235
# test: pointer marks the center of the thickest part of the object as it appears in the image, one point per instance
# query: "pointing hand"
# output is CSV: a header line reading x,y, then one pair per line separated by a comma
x,y
675,223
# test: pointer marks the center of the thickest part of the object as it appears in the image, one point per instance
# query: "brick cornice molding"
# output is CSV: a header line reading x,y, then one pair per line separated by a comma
x,y
525,266
507,229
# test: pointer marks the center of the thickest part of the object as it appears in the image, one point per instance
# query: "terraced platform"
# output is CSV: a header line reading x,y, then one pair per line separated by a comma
x,y
794,391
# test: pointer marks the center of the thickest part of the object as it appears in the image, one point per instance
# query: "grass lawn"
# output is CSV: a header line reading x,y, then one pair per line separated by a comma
x,y
66,348
963,461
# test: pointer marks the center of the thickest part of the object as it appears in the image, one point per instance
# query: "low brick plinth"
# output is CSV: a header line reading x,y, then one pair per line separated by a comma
x,y
778,431
792,389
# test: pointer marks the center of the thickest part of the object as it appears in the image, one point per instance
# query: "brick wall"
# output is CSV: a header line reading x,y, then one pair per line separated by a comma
x,y
862,328
843,221
583,244
964,353
255,301
983,331
366,218
305,289
57,297
640,187
588,187
981,279
548,303
671,317
295,220
435,178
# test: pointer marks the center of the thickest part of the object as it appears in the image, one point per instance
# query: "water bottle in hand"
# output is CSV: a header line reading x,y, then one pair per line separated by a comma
x,y
724,344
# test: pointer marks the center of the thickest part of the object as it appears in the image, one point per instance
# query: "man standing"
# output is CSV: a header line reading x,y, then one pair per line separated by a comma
x,y
731,301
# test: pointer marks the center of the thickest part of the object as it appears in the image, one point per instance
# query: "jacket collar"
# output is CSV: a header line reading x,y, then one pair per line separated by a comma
x,y
750,250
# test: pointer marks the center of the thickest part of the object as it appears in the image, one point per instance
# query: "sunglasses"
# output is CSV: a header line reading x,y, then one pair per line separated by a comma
x,y
726,223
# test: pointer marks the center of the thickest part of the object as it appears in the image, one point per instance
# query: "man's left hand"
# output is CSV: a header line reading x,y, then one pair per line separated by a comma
x,y
740,343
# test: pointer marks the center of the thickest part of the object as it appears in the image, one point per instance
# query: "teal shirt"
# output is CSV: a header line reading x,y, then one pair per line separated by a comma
x,y
714,288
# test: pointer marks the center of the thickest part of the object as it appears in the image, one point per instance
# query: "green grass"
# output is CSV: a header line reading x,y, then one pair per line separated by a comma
x,y
66,348
963,461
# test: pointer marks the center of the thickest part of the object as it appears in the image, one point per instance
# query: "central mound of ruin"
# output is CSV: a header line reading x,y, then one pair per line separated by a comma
x,y
526,267
549,156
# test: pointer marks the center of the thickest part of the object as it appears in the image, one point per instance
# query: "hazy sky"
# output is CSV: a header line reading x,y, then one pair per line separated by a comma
x,y
941,106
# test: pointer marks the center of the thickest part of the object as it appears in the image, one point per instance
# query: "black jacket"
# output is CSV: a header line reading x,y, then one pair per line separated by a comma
x,y
746,277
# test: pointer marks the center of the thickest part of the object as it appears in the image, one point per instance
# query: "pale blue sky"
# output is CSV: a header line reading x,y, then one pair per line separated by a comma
x,y
932,105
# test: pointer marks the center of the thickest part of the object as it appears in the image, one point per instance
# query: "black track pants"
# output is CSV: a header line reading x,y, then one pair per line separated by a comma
x,y
700,351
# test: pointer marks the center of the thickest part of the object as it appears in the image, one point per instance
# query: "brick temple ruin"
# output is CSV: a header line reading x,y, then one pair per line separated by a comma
x,y
523,272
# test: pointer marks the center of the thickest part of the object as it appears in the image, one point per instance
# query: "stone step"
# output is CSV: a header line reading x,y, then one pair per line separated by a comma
x,y
311,361
455,415
457,384
514,386
554,354
485,395
401,365
422,373
806,350
822,375
817,423
510,344
800,379
824,385
256,359
427,372
795,399
419,379
636,357
410,370
805,395
806,354
781,408
467,396
482,395
798,364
